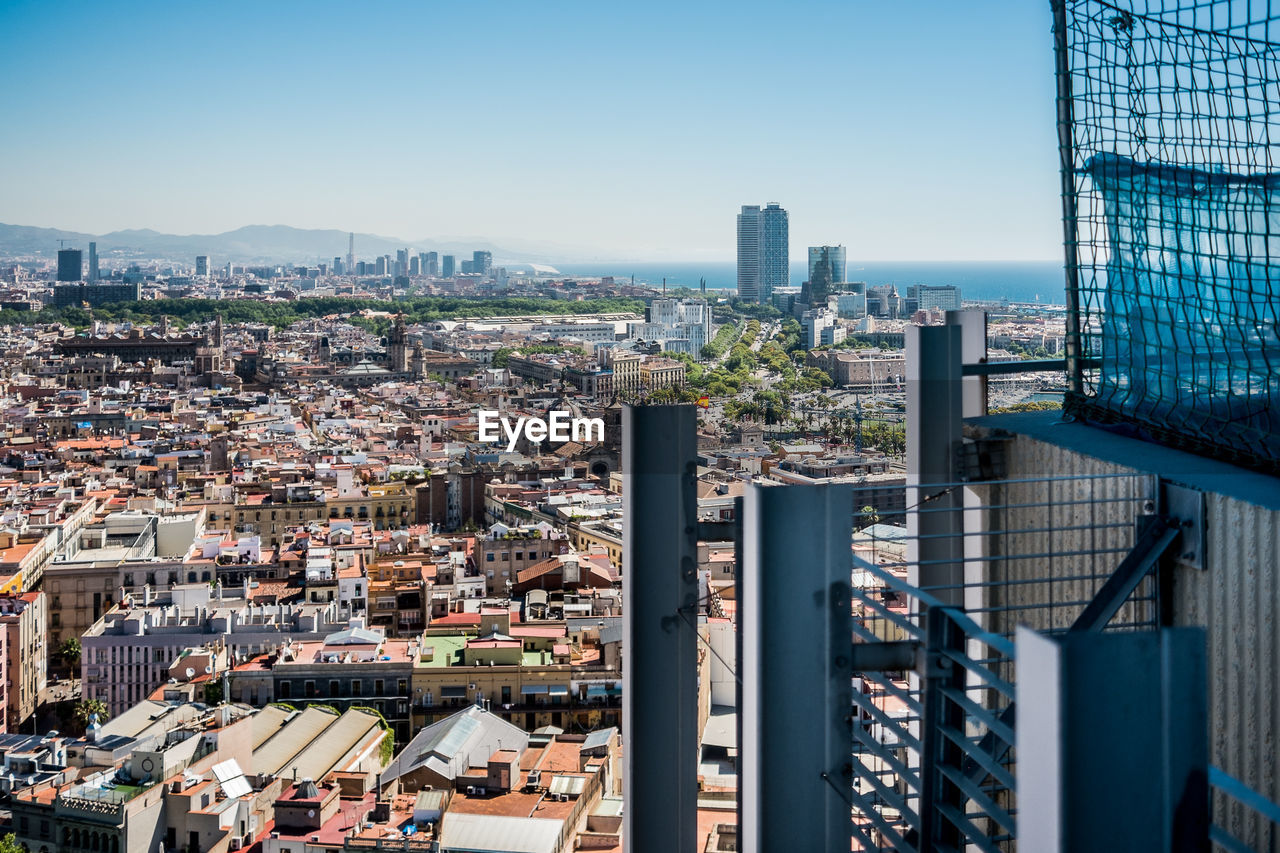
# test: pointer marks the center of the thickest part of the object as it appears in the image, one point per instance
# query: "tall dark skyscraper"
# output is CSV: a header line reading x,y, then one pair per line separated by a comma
x,y
763,251
446,266
482,262
70,264
93,262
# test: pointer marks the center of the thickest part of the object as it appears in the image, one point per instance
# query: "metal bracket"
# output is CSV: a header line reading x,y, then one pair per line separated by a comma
x,y
885,656
1187,506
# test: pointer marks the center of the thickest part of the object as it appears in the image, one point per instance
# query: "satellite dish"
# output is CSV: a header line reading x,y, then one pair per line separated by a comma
x,y
311,812
208,670
190,672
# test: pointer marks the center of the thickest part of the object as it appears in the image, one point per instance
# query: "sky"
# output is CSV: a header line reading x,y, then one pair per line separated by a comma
x,y
908,131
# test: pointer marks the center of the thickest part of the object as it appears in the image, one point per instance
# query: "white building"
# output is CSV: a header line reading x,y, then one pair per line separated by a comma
x,y
678,325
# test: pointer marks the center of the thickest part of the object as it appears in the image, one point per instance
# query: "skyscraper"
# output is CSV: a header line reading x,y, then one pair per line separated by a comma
x,y
351,251
402,262
202,266
70,264
446,266
834,256
432,267
482,262
93,262
826,268
763,251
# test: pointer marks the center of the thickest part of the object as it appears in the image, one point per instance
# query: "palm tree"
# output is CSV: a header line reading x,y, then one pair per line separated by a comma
x,y
87,709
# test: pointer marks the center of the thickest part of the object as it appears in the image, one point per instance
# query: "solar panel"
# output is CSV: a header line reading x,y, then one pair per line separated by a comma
x,y
231,778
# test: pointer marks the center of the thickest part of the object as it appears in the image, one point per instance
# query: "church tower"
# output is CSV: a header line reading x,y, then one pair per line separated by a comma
x,y
398,346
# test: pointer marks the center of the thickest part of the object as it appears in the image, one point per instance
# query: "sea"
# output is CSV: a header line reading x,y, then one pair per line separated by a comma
x,y
1014,281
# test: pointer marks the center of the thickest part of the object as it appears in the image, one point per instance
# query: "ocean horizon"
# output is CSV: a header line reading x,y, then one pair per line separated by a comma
x,y
1016,281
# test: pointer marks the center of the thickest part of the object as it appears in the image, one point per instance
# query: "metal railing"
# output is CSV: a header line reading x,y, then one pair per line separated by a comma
x,y
935,666
1229,794
929,739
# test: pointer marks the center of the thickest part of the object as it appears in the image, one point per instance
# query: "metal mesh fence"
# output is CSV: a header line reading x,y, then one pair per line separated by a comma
x,y
1038,552
1172,219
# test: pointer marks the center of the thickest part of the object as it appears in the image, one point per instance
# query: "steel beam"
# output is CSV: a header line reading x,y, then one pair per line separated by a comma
x,y
795,624
935,420
660,595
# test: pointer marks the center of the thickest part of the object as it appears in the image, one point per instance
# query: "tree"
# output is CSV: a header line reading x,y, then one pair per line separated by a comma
x,y
69,652
213,693
9,844
86,709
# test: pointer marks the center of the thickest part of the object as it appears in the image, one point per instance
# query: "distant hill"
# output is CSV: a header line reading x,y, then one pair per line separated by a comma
x,y
273,244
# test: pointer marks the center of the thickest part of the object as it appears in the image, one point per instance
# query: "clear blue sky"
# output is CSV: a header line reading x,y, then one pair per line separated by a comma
x,y
920,130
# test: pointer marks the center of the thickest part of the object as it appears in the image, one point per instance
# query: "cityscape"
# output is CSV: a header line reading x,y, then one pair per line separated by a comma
x,y
319,541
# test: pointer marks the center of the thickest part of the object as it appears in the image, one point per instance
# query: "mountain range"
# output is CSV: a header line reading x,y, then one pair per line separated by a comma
x,y
267,244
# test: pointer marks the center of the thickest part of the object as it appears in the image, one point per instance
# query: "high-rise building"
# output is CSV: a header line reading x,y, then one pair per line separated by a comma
x,y
351,251
833,257
422,263
70,264
446,266
414,265
468,267
826,268
202,266
381,268
402,262
763,251
482,262
93,262
338,268
432,267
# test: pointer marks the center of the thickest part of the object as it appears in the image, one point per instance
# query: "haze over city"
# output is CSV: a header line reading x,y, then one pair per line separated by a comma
x,y
601,132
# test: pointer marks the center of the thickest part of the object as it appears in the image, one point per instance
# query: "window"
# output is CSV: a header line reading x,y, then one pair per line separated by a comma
x,y
309,688
333,687
357,687
488,558
519,555
285,689
378,687
402,686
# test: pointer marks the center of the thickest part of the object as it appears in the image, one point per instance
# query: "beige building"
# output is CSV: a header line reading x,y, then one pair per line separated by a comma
x,y
24,621
661,373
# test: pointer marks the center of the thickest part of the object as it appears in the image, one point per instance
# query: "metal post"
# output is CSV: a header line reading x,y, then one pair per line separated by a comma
x,y
660,594
1070,221
935,421
795,625
937,792
1113,741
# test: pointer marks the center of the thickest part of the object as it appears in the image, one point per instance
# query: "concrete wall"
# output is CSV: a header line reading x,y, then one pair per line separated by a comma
x,y
1236,597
